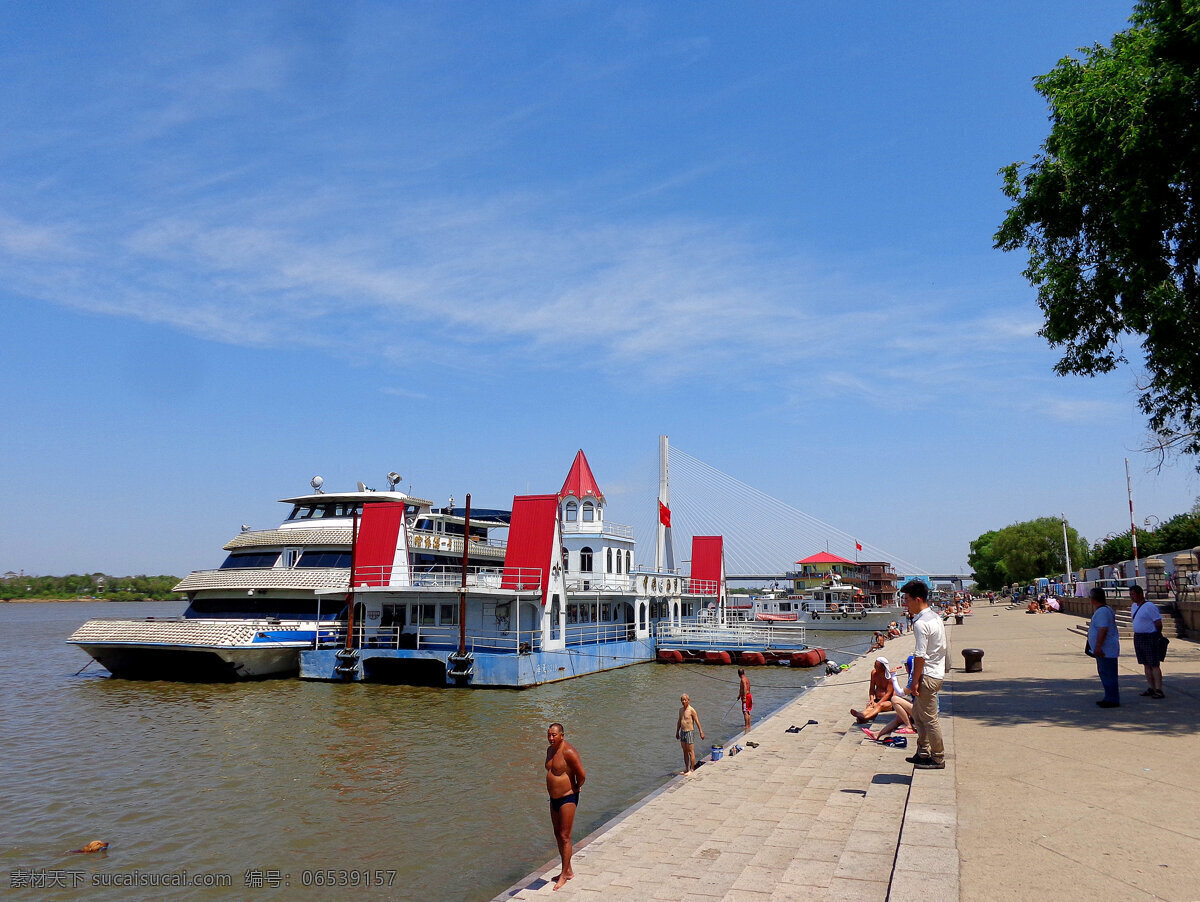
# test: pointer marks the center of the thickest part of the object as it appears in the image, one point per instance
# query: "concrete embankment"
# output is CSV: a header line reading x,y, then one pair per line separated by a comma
x,y
1044,794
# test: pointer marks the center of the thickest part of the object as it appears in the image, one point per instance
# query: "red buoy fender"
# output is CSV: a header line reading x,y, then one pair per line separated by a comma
x,y
751,658
807,658
717,657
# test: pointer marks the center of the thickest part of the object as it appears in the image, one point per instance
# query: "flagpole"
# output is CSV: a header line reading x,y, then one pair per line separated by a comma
x,y
1132,525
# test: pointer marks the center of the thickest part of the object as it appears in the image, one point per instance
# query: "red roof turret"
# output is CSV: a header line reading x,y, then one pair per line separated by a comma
x,y
580,482
824,557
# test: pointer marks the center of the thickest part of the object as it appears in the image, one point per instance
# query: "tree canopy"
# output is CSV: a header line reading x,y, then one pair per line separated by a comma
x,y
1109,212
89,585
1176,534
1024,551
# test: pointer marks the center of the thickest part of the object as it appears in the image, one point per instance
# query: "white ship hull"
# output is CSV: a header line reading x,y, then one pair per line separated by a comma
x,y
195,649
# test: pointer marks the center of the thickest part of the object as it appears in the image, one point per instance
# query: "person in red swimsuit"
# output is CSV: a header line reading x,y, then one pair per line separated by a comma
x,y
745,697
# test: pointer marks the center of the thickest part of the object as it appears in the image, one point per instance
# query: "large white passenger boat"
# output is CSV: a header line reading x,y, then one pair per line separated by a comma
x,y
270,597
382,585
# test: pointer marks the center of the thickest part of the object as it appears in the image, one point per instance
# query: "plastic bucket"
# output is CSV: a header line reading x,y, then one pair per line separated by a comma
x,y
718,752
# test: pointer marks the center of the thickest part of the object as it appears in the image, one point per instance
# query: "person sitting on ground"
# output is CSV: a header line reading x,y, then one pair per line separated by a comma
x,y
881,692
893,630
1032,607
878,642
902,722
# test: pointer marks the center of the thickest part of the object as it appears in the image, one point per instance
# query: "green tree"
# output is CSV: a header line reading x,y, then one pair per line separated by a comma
x,y
1110,212
983,559
1024,551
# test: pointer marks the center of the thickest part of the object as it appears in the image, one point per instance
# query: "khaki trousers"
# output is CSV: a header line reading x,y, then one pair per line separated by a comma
x,y
925,718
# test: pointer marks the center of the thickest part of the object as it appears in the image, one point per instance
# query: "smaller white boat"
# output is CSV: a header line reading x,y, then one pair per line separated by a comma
x,y
833,606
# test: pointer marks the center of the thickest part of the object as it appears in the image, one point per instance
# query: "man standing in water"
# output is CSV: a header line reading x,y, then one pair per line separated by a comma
x,y
745,697
564,777
686,728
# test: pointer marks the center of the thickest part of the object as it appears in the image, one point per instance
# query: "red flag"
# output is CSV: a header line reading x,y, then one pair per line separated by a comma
x,y
664,514
857,546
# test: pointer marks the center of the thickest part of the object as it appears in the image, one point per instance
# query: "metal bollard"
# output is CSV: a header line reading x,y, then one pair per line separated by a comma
x,y
974,659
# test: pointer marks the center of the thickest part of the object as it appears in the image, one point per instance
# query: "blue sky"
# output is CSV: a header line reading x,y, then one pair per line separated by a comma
x,y
241,244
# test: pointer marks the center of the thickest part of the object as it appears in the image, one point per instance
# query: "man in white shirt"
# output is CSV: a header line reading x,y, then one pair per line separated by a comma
x,y
929,669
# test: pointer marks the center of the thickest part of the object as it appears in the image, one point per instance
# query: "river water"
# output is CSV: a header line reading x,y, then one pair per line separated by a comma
x,y
439,794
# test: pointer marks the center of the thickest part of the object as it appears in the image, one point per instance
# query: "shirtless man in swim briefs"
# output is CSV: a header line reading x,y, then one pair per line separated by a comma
x,y
686,728
564,777
744,696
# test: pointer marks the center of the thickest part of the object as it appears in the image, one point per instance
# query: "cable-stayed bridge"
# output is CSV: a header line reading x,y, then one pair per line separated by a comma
x,y
763,535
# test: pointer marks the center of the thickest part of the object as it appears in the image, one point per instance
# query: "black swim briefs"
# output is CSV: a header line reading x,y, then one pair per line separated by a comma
x,y
572,799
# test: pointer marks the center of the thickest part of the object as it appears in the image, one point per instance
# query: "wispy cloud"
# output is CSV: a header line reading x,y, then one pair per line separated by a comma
x,y
506,276
1067,410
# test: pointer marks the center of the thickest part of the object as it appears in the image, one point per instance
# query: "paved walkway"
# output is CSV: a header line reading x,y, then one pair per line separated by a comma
x,y
1044,794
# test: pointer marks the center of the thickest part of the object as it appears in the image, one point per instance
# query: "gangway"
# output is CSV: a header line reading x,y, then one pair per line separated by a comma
x,y
729,637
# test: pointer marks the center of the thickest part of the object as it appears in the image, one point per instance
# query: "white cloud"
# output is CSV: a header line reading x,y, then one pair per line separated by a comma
x,y
513,276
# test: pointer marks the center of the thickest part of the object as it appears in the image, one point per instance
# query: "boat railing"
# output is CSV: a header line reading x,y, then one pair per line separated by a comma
x,y
449,576
428,636
729,635
597,582
701,587
428,540
597,633
598,527
432,637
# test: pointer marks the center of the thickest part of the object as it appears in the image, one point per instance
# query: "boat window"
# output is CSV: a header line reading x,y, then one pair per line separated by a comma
x,y
585,560
589,512
628,561
427,614
608,560
618,560
572,510
324,559
785,605
449,614
250,559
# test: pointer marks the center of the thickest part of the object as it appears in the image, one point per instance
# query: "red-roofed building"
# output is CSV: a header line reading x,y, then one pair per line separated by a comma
x,y
597,555
818,569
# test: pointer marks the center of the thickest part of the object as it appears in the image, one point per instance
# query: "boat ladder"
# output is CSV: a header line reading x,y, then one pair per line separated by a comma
x,y
347,665
461,666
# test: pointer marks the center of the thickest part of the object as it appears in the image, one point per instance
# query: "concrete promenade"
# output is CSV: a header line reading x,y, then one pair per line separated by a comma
x,y
1044,794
